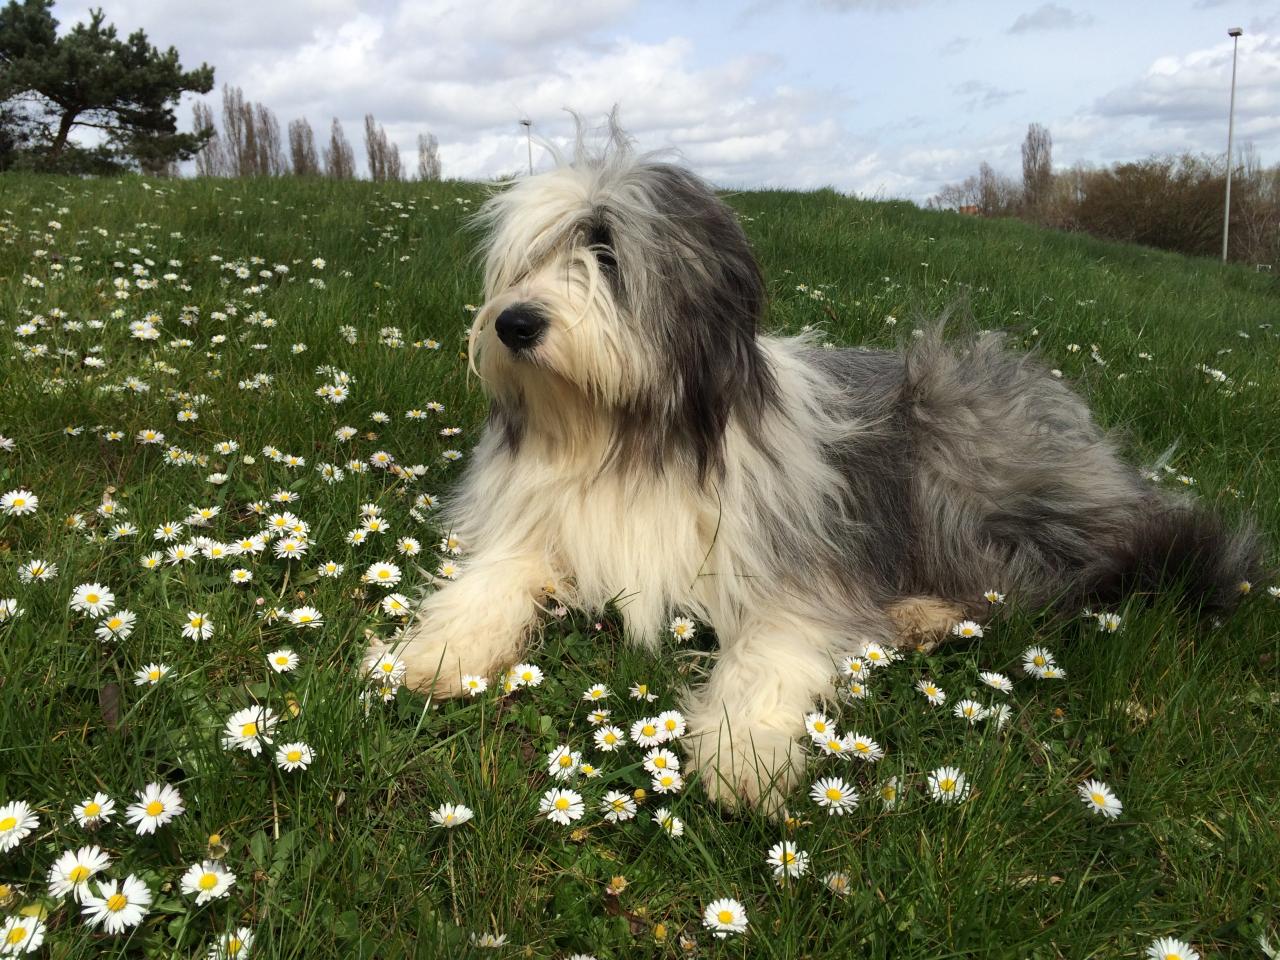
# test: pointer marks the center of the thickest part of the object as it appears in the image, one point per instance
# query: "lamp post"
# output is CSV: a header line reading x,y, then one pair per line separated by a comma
x,y
528,135
1234,33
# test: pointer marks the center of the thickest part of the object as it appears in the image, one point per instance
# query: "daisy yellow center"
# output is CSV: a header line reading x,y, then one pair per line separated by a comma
x,y
566,761
16,935
151,675
383,574
670,724
833,793
233,946
889,793
92,809
820,726
680,630
305,618
946,784
250,729
668,780
1099,799
293,756
527,676
388,667
788,858
114,623
155,808
861,747
117,902
725,916
78,874
197,621
562,803
660,762
931,690
91,598
208,881
7,824
19,501
1173,956
282,660
1038,660
835,746
648,730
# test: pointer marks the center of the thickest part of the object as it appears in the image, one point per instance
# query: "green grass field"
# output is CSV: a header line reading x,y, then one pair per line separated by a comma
x,y
341,859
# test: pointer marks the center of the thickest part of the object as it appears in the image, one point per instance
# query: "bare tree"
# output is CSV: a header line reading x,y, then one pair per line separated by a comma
x,y
384,156
339,158
1037,166
428,157
211,161
233,128
270,160
997,194
957,196
302,148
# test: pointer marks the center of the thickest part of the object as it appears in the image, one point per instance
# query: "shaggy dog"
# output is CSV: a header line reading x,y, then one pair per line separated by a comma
x,y
648,446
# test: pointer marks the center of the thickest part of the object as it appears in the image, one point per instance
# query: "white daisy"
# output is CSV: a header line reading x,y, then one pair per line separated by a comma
x,y
249,729
561,806
20,935
617,806
1098,797
948,785
283,660
294,756
71,872
118,906
725,916
1167,948
95,811
996,681
17,820
157,804
93,599
208,880
451,815
787,860
834,794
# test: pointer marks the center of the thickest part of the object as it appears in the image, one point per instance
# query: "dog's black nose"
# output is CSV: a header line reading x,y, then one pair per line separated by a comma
x,y
520,327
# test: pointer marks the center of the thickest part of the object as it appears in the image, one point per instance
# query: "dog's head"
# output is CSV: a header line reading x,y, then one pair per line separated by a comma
x,y
620,290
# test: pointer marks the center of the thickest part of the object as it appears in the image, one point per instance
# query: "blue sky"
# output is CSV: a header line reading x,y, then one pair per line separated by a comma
x,y
870,96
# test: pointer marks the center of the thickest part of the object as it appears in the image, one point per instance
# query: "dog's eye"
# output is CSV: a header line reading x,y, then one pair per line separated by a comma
x,y
601,242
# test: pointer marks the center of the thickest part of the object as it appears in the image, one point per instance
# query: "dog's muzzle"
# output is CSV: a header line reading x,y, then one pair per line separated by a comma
x,y
520,327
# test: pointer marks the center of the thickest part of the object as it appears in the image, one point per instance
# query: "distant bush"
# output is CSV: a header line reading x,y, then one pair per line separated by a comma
x,y
1174,203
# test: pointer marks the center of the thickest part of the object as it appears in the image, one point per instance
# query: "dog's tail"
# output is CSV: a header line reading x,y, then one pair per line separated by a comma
x,y
1177,544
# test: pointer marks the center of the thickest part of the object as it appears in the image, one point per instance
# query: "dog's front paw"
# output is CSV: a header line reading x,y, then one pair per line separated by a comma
x,y
433,661
753,767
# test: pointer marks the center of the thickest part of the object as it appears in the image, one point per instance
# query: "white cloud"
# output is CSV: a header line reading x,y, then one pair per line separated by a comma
x,y
1050,16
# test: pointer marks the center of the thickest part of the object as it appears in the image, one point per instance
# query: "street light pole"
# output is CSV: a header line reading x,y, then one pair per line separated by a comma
x,y
528,134
1234,33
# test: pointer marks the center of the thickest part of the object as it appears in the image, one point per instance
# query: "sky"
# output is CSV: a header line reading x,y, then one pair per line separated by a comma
x,y
881,98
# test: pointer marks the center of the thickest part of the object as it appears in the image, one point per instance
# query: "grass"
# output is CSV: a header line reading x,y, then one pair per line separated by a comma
x,y
341,860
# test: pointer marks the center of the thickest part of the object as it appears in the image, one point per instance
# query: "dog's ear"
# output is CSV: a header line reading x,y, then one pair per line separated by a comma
x,y
704,298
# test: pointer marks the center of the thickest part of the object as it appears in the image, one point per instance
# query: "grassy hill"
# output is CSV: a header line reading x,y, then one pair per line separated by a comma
x,y
252,287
